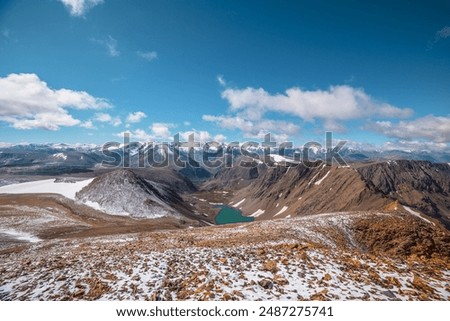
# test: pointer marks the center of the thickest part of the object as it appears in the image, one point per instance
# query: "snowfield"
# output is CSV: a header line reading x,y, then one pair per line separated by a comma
x,y
52,186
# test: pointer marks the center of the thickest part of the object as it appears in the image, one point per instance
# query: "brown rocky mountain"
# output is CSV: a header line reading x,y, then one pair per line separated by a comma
x,y
236,176
299,190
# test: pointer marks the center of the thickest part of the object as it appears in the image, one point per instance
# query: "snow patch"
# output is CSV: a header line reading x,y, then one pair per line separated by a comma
x,y
390,162
312,179
259,212
98,207
417,214
238,203
321,180
281,211
278,158
60,155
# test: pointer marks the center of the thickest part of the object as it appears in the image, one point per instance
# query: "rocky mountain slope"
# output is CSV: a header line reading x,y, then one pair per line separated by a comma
x,y
287,191
422,185
237,176
334,256
122,192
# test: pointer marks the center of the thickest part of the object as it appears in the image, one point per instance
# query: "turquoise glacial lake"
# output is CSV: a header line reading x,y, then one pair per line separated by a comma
x,y
229,215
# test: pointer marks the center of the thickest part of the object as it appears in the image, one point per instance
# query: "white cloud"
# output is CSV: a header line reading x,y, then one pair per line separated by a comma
x,y
137,135
187,123
433,128
220,138
116,121
443,33
49,121
403,145
221,80
107,118
161,130
337,103
415,146
26,102
255,128
110,45
158,132
78,8
332,107
103,117
199,135
88,124
135,117
202,136
148,55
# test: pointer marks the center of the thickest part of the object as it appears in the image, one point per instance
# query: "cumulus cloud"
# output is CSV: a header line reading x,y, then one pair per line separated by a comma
x,y
110,44
88,124
103,117
403,145
337,103
27,102
415,145
255,128
107,118
148,55
135,117
158,132
161,130
332,107
137,135
78,8
433,128
202,136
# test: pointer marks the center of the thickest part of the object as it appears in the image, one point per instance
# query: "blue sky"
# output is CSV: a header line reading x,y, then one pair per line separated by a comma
x,y
84,71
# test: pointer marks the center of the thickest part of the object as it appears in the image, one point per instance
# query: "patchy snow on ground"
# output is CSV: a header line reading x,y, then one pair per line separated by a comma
x,y
66,189
18,235
275,260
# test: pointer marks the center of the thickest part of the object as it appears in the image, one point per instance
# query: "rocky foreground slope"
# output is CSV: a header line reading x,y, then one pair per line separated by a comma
x,y
336,256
